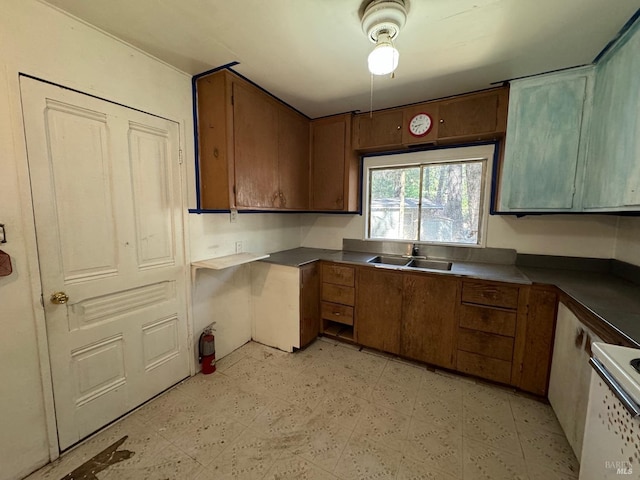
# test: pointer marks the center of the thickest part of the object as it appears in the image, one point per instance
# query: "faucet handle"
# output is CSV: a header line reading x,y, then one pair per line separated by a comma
x,y
415,250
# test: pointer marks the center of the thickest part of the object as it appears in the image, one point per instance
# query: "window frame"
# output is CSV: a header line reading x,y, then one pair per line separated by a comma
x,y
416,158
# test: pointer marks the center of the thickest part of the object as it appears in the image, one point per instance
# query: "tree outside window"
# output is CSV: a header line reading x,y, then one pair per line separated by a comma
x,y
433,202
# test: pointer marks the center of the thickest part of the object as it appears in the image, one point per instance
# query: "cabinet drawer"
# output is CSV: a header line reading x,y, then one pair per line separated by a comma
x,y
337,313
487,344
488,320
484,367
487,294
338,294
338,275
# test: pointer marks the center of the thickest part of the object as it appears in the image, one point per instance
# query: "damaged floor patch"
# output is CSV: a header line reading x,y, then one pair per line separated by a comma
x,y
109,456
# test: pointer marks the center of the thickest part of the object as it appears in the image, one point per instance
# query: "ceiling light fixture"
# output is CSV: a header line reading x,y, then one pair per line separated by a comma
x,y
381,22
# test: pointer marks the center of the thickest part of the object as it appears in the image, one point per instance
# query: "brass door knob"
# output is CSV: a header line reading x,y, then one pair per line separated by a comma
x,y
59,298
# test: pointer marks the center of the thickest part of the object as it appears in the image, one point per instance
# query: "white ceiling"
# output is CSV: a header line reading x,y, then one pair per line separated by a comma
x,y
312,53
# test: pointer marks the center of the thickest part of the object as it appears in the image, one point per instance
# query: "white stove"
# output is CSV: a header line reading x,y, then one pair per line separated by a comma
x,y
611,447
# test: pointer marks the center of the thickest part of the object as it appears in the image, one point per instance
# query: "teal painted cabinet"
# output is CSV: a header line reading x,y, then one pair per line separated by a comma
x,y
612,180
545,147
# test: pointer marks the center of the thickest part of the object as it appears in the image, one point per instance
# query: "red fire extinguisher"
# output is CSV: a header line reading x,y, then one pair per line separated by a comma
x,y
207,350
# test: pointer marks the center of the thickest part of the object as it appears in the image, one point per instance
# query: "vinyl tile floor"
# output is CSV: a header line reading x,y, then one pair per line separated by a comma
x,y
330,411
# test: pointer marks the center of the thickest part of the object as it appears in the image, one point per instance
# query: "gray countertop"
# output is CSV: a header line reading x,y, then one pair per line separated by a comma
x,y
485,271
613,299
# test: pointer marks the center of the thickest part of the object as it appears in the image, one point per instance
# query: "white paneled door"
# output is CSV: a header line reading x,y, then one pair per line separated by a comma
x,y
106,190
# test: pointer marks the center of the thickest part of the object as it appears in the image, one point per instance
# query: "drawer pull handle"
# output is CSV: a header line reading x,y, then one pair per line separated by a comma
x,y
337,314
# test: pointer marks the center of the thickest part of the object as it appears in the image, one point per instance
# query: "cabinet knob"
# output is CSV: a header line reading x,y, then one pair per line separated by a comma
x,y
442,120
399,127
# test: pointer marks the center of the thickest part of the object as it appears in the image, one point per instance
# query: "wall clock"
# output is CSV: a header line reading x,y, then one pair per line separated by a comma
x,y
420,124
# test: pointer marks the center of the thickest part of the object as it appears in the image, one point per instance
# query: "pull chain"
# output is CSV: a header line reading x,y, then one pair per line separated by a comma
x,y
371,99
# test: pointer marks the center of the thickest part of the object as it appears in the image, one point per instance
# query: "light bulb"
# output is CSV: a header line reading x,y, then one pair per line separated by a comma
x,y
383,59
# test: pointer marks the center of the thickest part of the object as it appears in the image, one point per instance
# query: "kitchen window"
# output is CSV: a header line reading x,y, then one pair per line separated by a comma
x,y
434,196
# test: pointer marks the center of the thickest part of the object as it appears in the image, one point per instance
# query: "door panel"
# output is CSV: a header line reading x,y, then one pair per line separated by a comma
x,y
152,195
107,202
77,143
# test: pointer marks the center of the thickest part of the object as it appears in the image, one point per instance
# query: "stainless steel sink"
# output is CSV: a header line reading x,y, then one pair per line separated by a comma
x,y
430,264
390,260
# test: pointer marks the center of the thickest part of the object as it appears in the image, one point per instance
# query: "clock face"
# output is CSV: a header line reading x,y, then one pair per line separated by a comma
x,y
420,125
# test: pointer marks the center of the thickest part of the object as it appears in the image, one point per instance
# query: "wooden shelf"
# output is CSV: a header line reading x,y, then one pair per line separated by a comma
x,y
337,330
220,263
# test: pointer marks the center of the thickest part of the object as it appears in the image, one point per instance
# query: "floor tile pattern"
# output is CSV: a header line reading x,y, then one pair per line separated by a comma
x,y
331,412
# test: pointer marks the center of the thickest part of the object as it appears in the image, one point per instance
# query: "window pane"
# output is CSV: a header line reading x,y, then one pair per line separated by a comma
x,y
393,208
451,196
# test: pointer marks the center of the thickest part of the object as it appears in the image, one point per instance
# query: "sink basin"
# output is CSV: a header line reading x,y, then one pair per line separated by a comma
x,y
430,264
390,260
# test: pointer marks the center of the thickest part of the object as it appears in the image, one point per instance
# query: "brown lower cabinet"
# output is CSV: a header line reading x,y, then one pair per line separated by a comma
x,y
494,330
379,309
429,306
309,303
491,319
538,339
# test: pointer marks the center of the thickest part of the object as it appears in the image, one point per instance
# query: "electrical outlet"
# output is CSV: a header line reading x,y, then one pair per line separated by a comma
x,y
233,217
239,247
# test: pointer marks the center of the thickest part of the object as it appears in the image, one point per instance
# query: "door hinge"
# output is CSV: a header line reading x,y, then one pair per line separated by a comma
x,y
180,160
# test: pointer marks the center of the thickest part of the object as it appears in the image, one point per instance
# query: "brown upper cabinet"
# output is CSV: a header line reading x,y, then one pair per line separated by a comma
x,y
475,116
293,159
257,153
470,117
378,129
253,149
334,165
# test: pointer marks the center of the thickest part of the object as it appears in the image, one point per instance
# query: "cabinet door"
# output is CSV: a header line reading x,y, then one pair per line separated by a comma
x,y
293,159
469,116
545,145
378,129
334,166
255,140
309,303
613,169
570,376
429,319
379,309
538,344
214,107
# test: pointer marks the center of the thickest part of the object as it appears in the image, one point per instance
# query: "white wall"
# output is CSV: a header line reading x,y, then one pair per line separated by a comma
x,y
628,244
37,40
574,236
570,235
225,296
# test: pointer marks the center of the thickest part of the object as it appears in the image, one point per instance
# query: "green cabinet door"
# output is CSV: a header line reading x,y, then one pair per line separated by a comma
x,y
545,144
612,179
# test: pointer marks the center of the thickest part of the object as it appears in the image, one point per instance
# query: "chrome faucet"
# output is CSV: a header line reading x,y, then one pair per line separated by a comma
x,y
414,251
